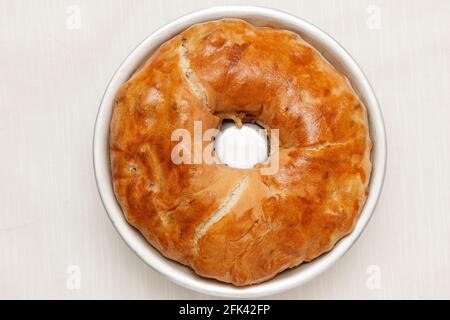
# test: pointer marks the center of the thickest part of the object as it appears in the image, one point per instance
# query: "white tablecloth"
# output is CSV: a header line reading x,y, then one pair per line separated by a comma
x,y
56,58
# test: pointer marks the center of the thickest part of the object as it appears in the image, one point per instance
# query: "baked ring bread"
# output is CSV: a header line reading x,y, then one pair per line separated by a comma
x,y
237,225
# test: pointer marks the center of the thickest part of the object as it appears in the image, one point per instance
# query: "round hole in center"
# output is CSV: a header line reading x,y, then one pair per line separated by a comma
x,y
243,147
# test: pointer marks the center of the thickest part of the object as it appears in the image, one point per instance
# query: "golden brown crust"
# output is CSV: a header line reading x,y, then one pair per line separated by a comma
x,y
237,225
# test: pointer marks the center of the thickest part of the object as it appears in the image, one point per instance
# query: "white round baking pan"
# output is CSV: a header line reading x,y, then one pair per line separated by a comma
x,y
332,51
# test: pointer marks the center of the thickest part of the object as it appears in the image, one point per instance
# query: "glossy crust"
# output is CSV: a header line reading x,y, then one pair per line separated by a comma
x,y
230,224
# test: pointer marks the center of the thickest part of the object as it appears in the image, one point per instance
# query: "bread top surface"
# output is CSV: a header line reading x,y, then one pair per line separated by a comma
x,y
237,225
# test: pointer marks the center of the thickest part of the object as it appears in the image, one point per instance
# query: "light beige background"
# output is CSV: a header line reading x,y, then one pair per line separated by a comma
x,y
53,78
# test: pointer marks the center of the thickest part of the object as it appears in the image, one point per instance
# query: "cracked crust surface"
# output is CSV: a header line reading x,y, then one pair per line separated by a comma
x,y
237,225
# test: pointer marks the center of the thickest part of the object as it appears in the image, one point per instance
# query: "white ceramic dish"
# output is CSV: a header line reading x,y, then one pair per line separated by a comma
x,y
331,50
